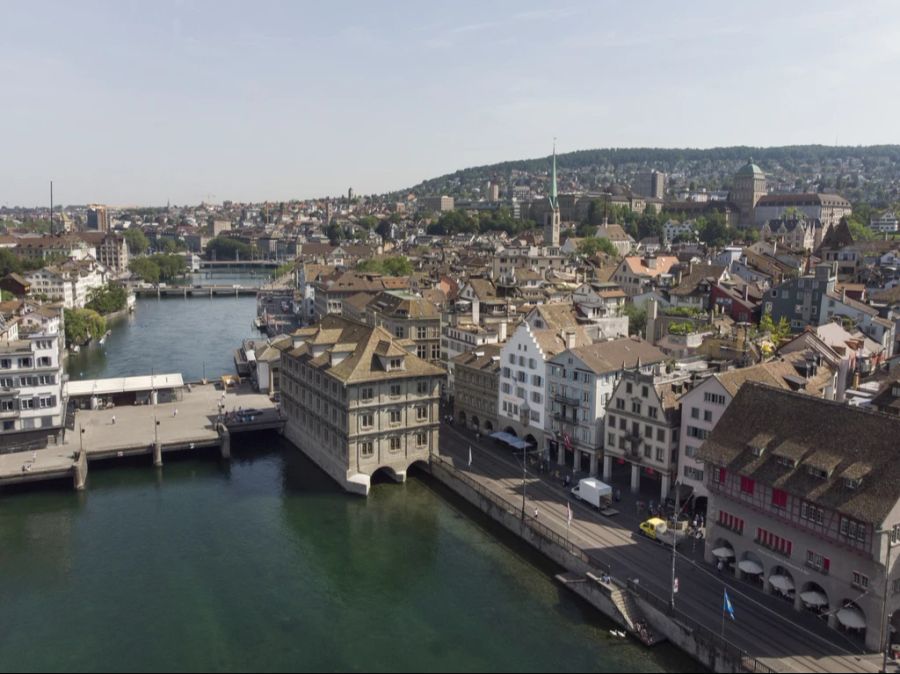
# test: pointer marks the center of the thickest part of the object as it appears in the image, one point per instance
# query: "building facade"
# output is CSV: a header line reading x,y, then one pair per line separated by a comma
x,y
477,382
800,505
357,403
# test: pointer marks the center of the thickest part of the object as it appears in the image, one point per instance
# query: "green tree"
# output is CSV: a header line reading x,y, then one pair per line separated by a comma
x,y
83,325
389,266
145,269
225,248
637,319
370,222
107,299
137,242
593,245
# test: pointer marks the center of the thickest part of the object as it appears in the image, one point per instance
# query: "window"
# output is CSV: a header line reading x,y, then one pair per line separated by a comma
x,y
620,404
7,405
816,561
396,364
5,363
779,498
628,388
395,390
659,454
611,420
699,433
44,361
366,449
645,391
25,362
537,397
421,332
395,444
421,413
648,432
611,439
719,476
777,543
747,485
421,439
366,420
537,380
853,529
422,387
714,398
653,412
729,521
636,407
399,332
861,581
812,513
368,393
395,417
707,416
660,435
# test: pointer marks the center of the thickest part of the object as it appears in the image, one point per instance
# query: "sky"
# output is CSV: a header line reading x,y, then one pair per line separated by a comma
x,y
130,102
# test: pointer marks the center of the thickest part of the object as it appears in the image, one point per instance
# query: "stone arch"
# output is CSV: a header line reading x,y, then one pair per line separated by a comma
x,y
476,423
387,474
852,619
531,440
511,431
810,601
462,417
722,552
751,567
488,426
781,580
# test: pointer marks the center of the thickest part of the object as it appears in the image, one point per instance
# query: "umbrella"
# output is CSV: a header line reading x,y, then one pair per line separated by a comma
x,y
782,583
852,618
751,567
814,598
723,553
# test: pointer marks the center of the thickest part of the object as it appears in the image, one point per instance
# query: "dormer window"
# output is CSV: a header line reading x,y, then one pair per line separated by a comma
x,y
819,473
786,462
395,364
852,483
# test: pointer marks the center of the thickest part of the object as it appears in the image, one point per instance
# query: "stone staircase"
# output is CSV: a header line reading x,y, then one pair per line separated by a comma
x,y
627,607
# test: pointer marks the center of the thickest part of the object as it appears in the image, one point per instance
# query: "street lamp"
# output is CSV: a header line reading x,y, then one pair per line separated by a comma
x,y
885,630
526,418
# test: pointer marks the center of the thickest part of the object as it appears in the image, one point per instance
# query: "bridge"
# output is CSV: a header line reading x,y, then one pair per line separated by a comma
x,y
191,424
240,264
197,291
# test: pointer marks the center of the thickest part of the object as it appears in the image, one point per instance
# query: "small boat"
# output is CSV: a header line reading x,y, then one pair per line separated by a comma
x,y
103,338
76,348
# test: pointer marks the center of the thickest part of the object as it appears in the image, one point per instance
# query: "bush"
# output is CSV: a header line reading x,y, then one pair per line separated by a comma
x,y
108,299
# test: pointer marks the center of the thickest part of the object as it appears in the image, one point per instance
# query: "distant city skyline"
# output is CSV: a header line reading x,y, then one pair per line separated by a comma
x,y
140,104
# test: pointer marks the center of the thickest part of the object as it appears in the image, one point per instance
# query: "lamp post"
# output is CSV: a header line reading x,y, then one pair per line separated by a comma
x,y
526,418
885,629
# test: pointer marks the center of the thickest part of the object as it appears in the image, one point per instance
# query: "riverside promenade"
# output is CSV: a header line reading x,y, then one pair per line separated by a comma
x,y
766,635
192,423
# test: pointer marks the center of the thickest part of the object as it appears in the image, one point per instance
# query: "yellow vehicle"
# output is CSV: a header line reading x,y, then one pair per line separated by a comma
x,y
657,530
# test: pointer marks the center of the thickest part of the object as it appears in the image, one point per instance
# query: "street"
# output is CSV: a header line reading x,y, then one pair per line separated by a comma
x,y
765,626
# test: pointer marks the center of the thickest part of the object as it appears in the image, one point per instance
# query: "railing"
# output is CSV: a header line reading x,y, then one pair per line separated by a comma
x,y
747,662
569,400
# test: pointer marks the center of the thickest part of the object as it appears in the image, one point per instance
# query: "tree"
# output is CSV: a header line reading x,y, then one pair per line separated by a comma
x,y
637,319
224,248
383,229
593,245
370,222
145,269
107,299
389,266
138,244
83,325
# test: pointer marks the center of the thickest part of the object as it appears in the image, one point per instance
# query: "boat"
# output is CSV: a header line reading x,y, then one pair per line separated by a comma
x,y
75,348
103,338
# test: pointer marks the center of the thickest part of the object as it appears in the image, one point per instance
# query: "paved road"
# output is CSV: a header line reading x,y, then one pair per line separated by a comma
x,y
766,627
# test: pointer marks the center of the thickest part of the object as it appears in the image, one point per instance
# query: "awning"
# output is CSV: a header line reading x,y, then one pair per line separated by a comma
x,y
723,553
814,598
509,439
751,567
782,583
852,618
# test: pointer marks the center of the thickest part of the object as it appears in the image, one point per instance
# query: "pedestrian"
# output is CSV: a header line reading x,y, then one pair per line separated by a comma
x,y
719,566
535,513
114,420
175,413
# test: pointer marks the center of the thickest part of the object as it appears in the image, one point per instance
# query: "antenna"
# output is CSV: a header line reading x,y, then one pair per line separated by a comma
x,y
51,209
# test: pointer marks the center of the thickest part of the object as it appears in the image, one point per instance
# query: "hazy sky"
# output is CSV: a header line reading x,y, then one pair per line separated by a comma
x,y
143,102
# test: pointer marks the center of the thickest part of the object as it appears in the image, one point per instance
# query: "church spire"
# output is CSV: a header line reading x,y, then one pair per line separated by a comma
x,y
554,202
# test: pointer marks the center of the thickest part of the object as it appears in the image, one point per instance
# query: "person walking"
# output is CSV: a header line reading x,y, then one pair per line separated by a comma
x,y
175,413
113,419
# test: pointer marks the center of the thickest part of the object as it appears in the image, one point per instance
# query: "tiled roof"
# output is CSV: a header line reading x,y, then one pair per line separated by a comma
x,y
845,440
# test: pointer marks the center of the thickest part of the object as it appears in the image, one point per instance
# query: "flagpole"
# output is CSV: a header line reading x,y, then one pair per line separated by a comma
x,y
723,611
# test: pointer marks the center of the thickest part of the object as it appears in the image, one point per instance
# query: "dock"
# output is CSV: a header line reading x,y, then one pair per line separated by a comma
x,y
192,423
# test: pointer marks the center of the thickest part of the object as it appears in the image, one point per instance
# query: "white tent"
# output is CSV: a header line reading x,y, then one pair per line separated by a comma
x,y
782,583
852,618
723,553
751,567
814,598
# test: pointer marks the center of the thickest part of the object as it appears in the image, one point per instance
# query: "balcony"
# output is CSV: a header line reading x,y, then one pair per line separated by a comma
x,y
567,400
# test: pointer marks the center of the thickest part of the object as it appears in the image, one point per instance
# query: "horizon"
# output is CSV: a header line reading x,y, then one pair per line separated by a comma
x,y
189,102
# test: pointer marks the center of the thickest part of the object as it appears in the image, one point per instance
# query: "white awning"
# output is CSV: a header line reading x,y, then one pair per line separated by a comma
x,y
723,553
852,618
814,598
782,583
751,567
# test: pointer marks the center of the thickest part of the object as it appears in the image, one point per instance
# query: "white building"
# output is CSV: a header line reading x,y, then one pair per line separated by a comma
x,y
523,375
580,383
672,230
31,400
886,224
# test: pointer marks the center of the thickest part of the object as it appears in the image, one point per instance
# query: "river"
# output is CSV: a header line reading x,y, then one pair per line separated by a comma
x,y
264,564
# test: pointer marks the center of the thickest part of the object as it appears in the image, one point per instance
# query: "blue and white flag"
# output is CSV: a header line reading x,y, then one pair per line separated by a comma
x,y
728,607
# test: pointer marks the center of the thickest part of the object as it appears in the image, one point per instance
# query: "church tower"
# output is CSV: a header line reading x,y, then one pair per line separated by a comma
x,y
552,221
749,188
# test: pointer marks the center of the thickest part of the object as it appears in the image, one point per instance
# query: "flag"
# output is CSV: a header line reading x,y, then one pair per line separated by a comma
x,y
728,607
568,514
470,456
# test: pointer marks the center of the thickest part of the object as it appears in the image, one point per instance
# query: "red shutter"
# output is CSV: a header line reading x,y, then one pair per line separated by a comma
x,y
747,485
779,498
826,564
722,475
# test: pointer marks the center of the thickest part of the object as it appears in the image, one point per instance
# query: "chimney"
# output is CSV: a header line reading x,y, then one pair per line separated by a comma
x,y
501,331
746,292
569,338
476,310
